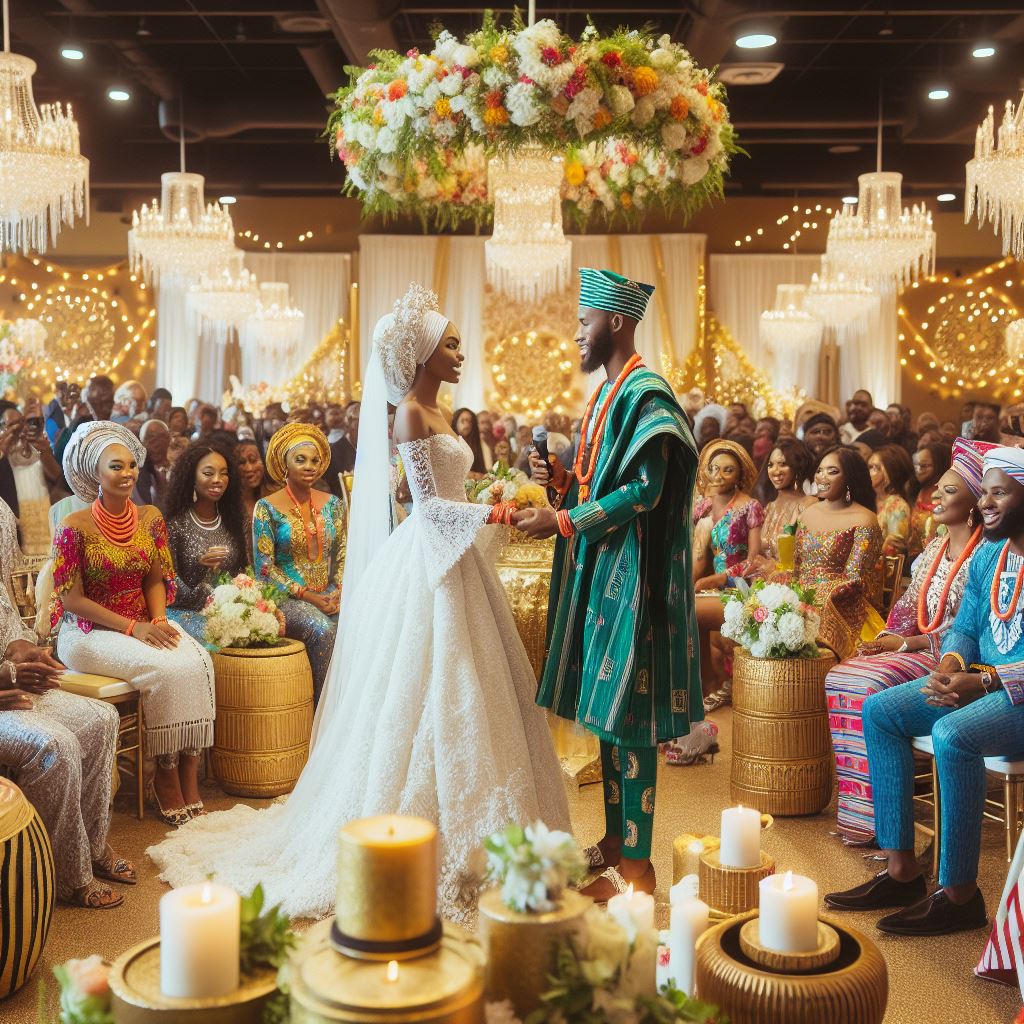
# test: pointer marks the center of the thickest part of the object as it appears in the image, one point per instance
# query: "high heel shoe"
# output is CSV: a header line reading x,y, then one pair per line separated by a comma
x,y
176,817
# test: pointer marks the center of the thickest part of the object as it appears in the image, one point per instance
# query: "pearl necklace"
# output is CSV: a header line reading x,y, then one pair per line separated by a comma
x,y
206,524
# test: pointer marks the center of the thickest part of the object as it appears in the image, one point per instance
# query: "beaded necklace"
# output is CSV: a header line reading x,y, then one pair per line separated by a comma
x,y
923,625
994,593
584,477
118,529
314,529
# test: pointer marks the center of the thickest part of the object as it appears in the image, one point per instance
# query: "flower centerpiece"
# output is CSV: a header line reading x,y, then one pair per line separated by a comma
x,y
636,121
241,612
533,865
772,620
505,484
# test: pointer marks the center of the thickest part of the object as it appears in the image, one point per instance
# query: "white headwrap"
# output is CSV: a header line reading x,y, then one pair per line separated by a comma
x,y
1009,460
81,461
407,337
716,412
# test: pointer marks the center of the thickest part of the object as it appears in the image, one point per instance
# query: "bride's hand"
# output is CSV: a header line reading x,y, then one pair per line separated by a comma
x,y
538,523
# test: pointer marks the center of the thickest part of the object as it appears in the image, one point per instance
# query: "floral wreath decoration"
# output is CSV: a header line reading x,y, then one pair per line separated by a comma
x,y
638,123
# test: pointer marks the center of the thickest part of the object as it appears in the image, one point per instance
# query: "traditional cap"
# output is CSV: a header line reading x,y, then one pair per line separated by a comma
x,y
290,436
81,460
968,458
720,446
1009,460
604,289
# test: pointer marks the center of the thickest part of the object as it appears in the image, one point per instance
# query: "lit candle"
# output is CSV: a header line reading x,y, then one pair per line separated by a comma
x,y
633,910
788,917
691,861
387,878
688,921
200,929
741,838
687,886
391,974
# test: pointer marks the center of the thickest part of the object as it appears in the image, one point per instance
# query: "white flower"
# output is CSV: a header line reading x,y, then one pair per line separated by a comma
x,y
225,593
451,84
673,135
606,944
694,169
643,111
758,649
774,595
791,630
662,59
387,140
418,78
620,99
522,103
500,1013
232,611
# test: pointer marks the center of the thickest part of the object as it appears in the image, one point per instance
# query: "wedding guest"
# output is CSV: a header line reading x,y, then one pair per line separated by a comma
x,y
780,488
205,529
334,421
177,420
155,473
299,542
930,463
465,424
352,423
890,469
820,433
343,460
33,470
61,410
97,405
858,411
129,402
972,705
113,577
908,647
709,423
59,749
878,420
485,422
899,427
160,404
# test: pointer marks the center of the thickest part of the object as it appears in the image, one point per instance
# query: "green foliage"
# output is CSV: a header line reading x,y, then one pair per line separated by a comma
x,y
267,938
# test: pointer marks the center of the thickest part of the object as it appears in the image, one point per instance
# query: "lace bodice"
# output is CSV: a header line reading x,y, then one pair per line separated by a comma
x,y
436,468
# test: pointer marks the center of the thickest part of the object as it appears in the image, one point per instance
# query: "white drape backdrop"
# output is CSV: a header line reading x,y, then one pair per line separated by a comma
x,y
191,365
742,287
388,263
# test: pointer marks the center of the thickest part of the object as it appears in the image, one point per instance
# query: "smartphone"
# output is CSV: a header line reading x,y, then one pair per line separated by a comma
x,y
34,426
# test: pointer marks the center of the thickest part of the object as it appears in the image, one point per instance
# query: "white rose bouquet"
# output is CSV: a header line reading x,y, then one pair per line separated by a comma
x,y
772,620
533,865
241,612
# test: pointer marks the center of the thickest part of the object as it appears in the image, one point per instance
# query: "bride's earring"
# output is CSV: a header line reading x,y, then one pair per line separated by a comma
x,y
849,496
970,519
195,496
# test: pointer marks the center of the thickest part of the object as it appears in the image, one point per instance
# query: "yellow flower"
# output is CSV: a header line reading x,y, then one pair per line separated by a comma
x,y
378,114
495,116
574,173
626,200
645,80
680,108
715,108
499,53
443,107
531,496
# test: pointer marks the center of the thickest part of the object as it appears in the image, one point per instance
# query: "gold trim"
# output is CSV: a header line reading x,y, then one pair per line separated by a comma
x,y
827,951
614,254
442,261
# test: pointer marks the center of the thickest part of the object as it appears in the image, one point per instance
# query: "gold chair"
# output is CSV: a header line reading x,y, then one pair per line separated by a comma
x,y
23,583
131,733
892,576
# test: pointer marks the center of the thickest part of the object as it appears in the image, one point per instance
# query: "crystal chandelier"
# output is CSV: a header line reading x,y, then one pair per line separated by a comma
x,y
879,242
30,337
995,177
788,326
275,328
223,300
842,303
44,179
527,254
1015,340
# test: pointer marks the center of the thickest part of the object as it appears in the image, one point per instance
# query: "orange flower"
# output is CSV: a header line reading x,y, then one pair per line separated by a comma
x,y
680,108
715,109
602,118
574,173
625,200
443,107
645,80
397,89
495,116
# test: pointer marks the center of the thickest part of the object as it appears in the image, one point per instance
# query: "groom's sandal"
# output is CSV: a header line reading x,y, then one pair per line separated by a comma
x,y
114,869
594,858
93,896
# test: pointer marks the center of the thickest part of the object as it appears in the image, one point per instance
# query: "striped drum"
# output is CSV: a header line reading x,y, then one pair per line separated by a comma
x,y
264,718
27,887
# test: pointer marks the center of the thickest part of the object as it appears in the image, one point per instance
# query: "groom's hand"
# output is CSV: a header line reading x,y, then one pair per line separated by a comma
x,y
538,523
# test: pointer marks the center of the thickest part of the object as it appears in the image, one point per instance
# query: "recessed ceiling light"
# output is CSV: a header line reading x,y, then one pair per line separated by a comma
x,y
755,40
118,95
70,52
227,200
143,29
843,148
940,93
852,200
946,197
981,52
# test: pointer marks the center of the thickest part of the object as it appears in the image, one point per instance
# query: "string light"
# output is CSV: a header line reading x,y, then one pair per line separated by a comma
x,y
264,244
798,223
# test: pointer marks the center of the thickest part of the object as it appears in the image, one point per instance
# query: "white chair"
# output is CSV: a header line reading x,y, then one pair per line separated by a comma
x,y
1010,774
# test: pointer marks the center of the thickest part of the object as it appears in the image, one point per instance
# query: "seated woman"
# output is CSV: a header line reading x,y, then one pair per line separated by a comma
x,y
890,468
972,705
838,542
299,542
908,647
59,748
821,434
204,527
113,577
780,486
252,474
930,463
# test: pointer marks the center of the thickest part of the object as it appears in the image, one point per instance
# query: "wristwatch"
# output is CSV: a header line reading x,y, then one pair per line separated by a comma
x,y
13,669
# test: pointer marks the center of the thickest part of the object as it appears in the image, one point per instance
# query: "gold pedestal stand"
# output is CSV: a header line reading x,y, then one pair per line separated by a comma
x,y
732,890
136,997
444,987
521,948
852,987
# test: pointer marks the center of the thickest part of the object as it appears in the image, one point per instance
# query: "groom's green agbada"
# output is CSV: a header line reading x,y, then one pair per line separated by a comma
x,y
622,634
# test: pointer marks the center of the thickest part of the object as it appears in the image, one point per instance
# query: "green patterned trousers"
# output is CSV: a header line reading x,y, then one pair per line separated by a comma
x,y
630,775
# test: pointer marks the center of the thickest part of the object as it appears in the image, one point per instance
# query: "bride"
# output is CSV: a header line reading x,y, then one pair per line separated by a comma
x,y
429,704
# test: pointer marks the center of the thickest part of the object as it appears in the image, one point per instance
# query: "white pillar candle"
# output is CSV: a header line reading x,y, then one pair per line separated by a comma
x,y
688,921
633,910
788,917
741,838
688,885
199,941
692,859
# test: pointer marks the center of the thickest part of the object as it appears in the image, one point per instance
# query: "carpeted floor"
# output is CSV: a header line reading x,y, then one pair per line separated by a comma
x,y
930,979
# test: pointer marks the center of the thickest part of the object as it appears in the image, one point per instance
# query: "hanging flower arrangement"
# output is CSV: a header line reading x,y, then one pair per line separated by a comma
x,y
637,123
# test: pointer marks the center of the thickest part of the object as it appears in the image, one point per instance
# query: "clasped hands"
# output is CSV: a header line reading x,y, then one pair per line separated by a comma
x,y
37,671
953,689
540,523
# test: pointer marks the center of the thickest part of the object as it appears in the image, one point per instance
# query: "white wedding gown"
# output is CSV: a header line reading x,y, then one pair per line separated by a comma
x,y
435,717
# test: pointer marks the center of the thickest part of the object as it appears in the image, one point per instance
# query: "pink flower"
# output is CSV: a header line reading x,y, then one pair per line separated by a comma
x,y
89,977
700,146
209,601
760,613
663,956
550,56
262,606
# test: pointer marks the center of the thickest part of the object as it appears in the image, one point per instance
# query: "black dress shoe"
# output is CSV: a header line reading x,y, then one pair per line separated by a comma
x,y
937,915
878,893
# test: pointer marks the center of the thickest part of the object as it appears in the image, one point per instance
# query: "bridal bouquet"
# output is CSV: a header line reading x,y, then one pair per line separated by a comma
x,y
772,620
241,612
506,484
533,865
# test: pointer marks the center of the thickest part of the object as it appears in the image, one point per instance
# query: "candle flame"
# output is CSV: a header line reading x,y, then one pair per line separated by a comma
x,y
787,882
629,891
392,972
206,893
697,846
739,807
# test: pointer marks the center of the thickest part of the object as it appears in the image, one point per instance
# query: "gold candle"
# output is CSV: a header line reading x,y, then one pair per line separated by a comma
x,y
387,879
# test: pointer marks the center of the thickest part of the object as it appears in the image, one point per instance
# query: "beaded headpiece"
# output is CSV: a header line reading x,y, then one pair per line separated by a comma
x,y
81,459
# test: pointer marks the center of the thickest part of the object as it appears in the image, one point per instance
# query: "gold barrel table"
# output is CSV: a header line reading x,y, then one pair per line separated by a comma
x,y
264,718
782,761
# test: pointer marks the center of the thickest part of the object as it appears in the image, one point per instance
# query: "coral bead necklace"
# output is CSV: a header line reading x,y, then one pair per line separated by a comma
x,y
313,529
923,625
118,529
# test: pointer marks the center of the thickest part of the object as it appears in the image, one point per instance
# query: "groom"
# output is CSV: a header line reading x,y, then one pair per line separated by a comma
x,y
621,627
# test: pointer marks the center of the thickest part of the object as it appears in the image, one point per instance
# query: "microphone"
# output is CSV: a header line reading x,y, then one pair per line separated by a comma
x,y
540,442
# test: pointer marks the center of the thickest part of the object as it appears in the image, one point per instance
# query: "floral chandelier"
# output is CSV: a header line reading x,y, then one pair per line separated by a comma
x,y
636,122
44,179
842,303
995,177
222,301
